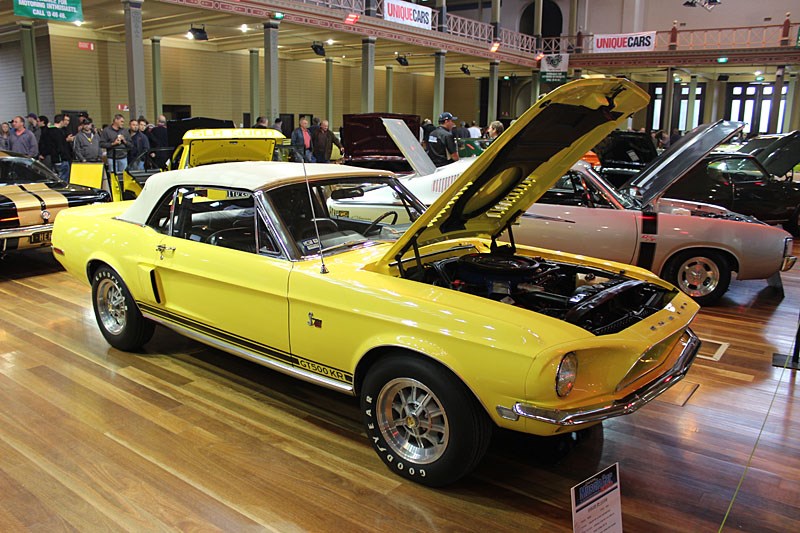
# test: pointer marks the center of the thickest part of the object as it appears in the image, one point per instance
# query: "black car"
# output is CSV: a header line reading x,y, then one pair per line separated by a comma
x,y
623,154
759,185
31,196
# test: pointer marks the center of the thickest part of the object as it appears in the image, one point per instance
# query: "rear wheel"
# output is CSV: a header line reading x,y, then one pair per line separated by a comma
x,y
702,274
423,422
120,320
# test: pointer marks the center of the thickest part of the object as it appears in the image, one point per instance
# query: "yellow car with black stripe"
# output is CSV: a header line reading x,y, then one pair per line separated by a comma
x,y
439,328
31,196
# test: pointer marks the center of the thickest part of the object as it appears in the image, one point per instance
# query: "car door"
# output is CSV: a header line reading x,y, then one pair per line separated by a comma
x,y
757,193
218,272
574,217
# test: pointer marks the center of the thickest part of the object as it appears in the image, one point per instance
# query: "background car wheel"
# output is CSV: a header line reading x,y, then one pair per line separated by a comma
x,y
793,225
120,320
423,422
702,274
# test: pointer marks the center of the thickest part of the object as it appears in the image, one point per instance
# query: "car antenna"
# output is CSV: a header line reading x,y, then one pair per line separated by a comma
x,y
323,269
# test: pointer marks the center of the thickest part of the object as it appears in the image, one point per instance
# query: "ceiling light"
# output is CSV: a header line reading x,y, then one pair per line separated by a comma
x,y
759,78
318,48
78,23
495,46
330,41
244,28
722,60
277,15
403,60
758,73
198,34
706,4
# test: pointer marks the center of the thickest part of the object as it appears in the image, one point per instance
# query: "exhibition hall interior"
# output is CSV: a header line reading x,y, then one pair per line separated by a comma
x,y
369,265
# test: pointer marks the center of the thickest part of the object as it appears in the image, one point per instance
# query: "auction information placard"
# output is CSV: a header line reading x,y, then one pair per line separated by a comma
x,y
596,503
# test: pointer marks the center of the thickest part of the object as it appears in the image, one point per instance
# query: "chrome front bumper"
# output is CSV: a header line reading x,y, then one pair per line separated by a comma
x,y
788,262
23,232
624,406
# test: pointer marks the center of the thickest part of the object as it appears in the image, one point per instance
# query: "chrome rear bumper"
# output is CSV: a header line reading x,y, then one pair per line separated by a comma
x,y
26,231
624,406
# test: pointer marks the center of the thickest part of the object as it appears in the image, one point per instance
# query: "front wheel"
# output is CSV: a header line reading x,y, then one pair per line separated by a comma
x,y
423,422
117,314
702,274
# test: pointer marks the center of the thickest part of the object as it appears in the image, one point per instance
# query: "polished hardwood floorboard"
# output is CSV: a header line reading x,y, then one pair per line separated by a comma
x,y
184,437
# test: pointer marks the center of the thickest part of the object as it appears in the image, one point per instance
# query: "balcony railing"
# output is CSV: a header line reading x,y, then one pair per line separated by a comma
x,y
472,29
777,35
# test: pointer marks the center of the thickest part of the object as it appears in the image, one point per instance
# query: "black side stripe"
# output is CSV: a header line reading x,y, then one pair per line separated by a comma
x,y
42,203
247,344
647,250
8,209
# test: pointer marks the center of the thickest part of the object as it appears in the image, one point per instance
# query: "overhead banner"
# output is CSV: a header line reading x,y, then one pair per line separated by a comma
x,y
407,13
60,10
625,42
553,68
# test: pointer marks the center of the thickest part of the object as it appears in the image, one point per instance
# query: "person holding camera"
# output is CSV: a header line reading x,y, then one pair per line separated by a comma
x,y
117,142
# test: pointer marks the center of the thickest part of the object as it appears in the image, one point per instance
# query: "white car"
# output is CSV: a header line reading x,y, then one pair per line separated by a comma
x,y
695,246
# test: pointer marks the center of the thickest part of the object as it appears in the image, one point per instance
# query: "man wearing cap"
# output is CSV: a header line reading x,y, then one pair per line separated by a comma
x,y
86,146
34,126
441,143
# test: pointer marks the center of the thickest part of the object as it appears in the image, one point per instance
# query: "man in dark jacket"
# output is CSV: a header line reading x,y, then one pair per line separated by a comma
x,y
61,155
324,139
441,145
116,140
303,144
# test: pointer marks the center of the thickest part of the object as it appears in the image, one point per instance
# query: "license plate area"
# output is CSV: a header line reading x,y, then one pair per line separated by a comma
x,y
41,237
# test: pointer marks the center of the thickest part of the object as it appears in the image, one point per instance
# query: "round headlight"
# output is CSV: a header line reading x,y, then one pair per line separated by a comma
x,y
566,375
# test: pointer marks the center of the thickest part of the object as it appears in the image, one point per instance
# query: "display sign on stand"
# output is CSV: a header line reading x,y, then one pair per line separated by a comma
x,y
596,503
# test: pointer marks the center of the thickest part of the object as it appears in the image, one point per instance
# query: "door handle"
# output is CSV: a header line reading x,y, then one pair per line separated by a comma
x,y
161,248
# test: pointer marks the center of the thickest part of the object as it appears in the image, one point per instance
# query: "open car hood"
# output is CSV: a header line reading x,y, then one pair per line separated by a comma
x,y
781,156
412,150
682,157
627,149
525,161
224,145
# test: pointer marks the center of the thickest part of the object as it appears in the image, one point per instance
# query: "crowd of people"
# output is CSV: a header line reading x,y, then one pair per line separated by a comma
x,y
58,144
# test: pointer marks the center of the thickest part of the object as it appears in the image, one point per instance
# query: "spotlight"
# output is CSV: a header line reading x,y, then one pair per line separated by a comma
x,y
198,34
465,69
318,48
403,60
690,3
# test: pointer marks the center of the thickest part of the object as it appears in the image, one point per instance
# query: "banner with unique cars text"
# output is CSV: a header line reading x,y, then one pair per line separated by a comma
x,y
407,13
625,42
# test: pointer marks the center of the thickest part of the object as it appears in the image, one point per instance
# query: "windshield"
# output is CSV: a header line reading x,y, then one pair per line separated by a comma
x,y
21,170
337,214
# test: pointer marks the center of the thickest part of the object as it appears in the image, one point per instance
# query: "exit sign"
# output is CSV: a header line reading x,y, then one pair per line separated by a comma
x,y
83,45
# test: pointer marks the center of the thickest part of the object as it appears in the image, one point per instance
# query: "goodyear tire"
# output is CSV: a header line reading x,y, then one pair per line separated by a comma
x,y
422,421
702,274
120,320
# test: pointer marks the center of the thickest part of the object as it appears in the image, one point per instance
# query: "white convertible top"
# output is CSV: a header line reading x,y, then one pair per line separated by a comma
x,y
248,176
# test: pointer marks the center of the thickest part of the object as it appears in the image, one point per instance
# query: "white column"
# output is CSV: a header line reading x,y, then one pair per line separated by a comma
x,y
134,51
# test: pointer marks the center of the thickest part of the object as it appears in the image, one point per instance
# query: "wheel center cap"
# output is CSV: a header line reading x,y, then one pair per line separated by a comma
x,y
411,421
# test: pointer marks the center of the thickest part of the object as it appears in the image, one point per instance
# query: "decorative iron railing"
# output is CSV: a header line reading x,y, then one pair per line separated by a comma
x,y
514,40
472,29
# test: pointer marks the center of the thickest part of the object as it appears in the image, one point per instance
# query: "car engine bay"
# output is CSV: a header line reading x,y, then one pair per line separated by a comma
x,y
598,301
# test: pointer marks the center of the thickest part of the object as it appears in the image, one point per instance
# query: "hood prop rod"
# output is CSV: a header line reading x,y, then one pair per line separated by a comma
x,y
495,248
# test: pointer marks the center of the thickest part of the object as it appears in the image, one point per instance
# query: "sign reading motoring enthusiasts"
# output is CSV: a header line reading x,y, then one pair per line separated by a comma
x,y
625,42
554,68
407,13
61,10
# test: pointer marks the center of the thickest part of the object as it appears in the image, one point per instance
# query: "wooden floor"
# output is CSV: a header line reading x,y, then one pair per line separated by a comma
x,y
187,438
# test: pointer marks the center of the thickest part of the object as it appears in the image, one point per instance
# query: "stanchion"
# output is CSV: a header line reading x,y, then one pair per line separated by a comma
x,y
779,359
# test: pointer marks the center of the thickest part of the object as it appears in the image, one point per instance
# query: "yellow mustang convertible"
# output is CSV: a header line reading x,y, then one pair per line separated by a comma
x,y
442,330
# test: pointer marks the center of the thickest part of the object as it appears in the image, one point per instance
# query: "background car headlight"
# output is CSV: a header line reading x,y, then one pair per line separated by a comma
x,y
566,374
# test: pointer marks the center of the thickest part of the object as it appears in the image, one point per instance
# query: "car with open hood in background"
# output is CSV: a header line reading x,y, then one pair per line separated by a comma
x,y
31,197
760,185
440,329
623,154
200,146
694,245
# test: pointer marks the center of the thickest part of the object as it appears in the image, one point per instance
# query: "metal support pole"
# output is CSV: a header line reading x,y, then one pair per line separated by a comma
x,y
271,73
158,98
368,75
438,83
777,89
491,105
669,93
691,104
255,94
30,79
389,88
535,86
134,51
329,91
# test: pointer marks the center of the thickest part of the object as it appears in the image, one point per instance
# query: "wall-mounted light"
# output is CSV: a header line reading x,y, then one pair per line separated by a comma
x,y
245,28
198,34
722,60
351,18
495,46
277,15
318,48
539,56
706,4
465,69
403,60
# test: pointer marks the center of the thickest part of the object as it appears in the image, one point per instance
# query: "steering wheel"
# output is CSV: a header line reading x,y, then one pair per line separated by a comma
x,y
377,220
